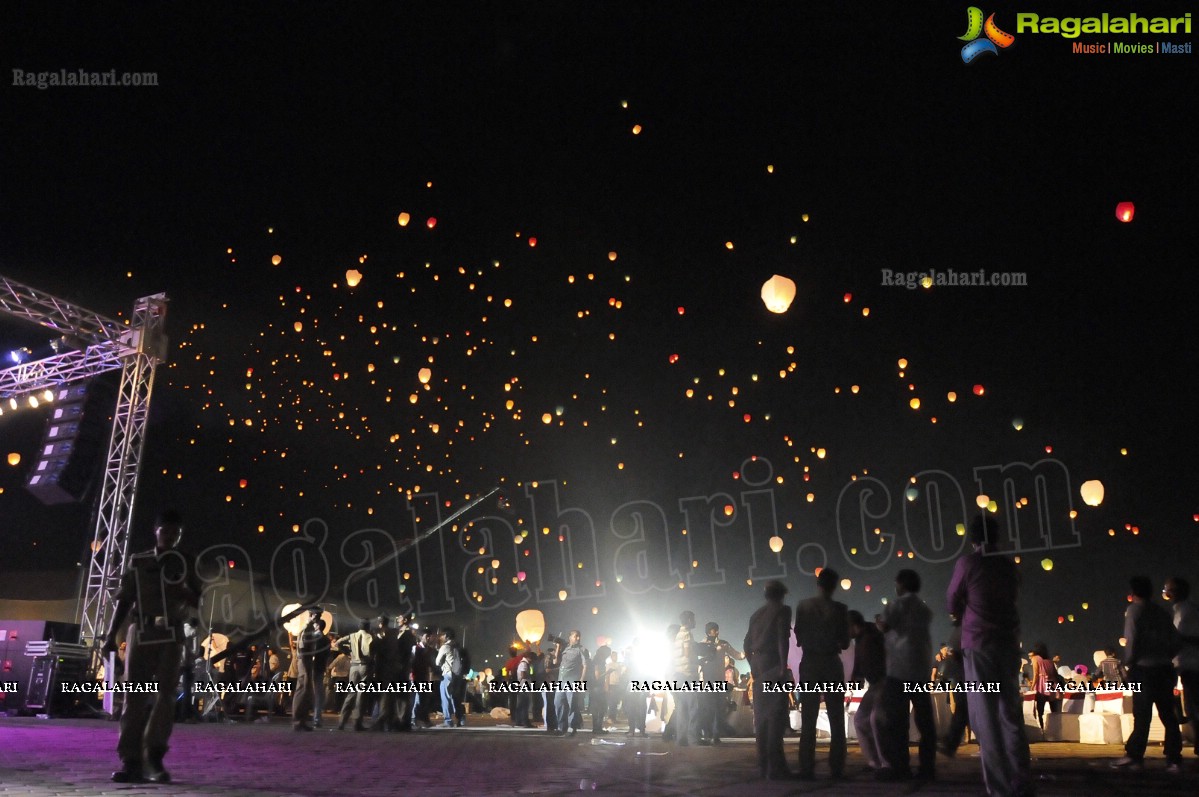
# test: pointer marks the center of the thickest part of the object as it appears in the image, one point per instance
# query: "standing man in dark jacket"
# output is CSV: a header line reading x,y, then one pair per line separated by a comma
x,y
822,632
766,645
390,670
158,591
1150,645
424,671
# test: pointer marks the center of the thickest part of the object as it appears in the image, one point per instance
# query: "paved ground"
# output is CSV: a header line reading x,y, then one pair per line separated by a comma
x,y
47,758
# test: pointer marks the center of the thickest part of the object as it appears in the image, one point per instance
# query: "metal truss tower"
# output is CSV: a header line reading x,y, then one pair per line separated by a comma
x,y
137,348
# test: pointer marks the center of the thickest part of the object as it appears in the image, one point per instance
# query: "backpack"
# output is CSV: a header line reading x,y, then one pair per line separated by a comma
x,y
461,663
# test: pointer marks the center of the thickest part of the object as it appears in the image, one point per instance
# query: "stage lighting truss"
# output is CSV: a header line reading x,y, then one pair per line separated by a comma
x,y
96,345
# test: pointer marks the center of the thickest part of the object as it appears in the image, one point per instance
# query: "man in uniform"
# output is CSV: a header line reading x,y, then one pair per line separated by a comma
x,y
158,592
766,645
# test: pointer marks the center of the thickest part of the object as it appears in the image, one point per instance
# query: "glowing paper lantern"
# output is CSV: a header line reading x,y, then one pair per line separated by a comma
x,y
1046,564
298,326
911,493
276,260
777,293
424,375
903,363
952,397
432,222
403,219
353,277
14,459
846,583
1092,492
982,501
562,594
547,418
914,403
530,626
1125,211
979,390
776,544
1017,424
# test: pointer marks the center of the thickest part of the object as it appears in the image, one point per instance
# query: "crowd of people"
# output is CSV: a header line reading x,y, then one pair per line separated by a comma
x,y
396,676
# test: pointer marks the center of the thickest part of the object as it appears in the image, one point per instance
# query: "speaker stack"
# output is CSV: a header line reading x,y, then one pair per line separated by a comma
x,y
76,436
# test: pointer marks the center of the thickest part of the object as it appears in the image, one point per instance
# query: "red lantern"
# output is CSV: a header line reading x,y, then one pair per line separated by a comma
x,y
432,222
532,241
674,358
1125,211
979,390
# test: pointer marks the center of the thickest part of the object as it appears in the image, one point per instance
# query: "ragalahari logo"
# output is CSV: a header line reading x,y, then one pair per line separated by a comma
x,y
975,27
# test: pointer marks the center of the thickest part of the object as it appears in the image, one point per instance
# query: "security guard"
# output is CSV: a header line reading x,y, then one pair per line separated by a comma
x,y
159,590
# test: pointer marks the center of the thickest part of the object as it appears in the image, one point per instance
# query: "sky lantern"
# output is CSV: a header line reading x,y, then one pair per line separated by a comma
x,y
532,241
530,624
777,293
914,403
1017,424
911,493
353,277
636,130
547,418
562,594
952,397
982,501
14,459
1046,564
432,222
776,543
1125,211
276,260
424,375
298,326
979,390
403,219
1092,492
903,363
846,583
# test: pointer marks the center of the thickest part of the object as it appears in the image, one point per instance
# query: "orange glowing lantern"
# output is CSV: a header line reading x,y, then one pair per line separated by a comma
x,y
1125,211
1092,492
530,624
424,375
353,277
403,219
777,293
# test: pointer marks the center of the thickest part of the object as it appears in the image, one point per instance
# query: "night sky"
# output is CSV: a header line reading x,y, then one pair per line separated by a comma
x,y
611,184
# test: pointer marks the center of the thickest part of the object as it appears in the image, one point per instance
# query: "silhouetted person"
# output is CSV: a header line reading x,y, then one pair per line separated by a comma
x,y
766,644
982,594
158,591
1150,645
870,667
1186,622
905,625
822,632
